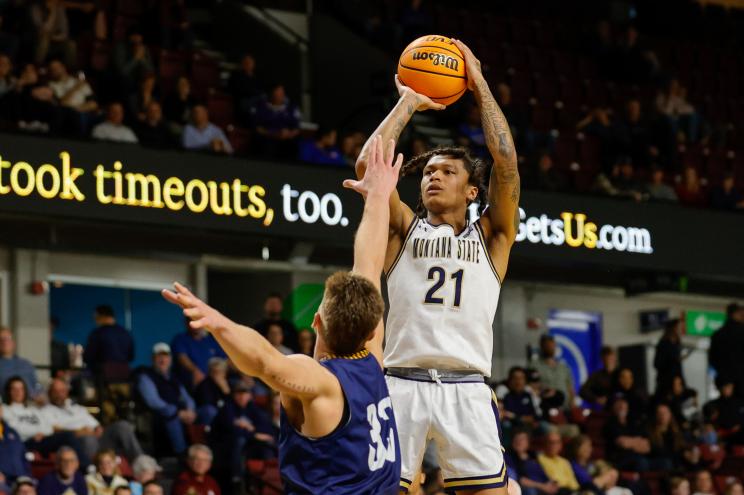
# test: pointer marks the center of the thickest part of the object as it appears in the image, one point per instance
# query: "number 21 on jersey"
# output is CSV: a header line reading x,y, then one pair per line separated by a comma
x,y
379,453
439,276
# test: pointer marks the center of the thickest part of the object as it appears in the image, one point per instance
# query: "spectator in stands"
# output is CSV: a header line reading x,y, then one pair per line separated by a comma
x,y
151,488
113,128
166,397
11,365
690,191
173,23
556,467
31,103
144,469
555,377
7,80
704,483
637,62
657,189
593,476
734,487
65,479
626,445
275,336
9,41
196,481
132,59
679,486
726,352
109,343
212,393
726,413
625,387
668,357
470,133
598,387
599,123
277,123
518,407
682,119
178,105
13,462
24,485
122,490
244,88
516,115
34,427
351,147
545,177
193,350
60,353
74,96
530,474
146,94
241,430
667,443
622,181
415,20
682,401
306,342
49,18
153,130
201,134
273,314
322,149
106,479
65,415
635,134
725,196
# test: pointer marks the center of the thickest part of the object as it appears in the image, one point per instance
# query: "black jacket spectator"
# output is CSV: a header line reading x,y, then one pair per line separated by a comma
x,y
153,131
177,108
244,87
598,387
109,342
726,413
668,357
726,352
518,406
273,314
625,388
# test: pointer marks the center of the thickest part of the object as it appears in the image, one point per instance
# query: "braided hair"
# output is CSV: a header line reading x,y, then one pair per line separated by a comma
x,y
475,167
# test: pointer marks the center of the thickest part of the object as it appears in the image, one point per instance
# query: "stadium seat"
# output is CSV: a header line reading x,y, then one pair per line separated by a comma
x,y
220,108
205,74
172,66
240,139
197,433
542,118
565,151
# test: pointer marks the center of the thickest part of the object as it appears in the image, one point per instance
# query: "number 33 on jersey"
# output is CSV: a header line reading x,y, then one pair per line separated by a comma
x,y
381,450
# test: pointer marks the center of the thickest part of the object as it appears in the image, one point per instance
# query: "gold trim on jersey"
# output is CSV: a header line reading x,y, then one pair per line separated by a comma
x,y
482,237
477,481
410,230
357,355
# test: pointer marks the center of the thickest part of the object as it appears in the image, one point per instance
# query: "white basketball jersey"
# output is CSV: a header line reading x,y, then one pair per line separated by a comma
x,y
443,292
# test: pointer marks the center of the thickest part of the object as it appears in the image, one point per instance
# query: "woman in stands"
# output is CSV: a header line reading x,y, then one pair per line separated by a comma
x,y
106,479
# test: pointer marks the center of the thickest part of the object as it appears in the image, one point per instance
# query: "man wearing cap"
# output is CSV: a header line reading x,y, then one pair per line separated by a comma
x,y
240,430
555,377
726,351
13,463
24,486
192,350
166,397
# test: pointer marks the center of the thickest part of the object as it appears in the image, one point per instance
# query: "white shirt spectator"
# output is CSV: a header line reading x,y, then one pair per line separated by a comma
x,y
78,98
28,421
70,416
108,131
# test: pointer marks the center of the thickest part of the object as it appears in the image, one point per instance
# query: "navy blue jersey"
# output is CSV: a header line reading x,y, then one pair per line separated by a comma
x,y
362,455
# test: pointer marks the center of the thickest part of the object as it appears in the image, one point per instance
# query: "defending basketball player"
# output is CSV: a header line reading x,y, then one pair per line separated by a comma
x,y
444,276
337,432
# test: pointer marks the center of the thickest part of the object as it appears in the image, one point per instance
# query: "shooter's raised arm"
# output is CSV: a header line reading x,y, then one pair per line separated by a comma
x,y
503,188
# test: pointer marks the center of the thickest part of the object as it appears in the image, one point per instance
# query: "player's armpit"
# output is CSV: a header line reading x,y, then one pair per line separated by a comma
x,y
498,244
299,376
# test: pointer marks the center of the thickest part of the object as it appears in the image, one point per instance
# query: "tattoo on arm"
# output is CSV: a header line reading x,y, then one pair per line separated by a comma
x,y
295,387
498,139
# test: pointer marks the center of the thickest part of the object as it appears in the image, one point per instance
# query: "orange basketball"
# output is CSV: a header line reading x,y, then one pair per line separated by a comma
x,y
433,66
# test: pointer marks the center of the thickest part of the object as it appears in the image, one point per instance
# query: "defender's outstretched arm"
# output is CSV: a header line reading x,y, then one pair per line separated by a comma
x,y
377,186
504,186
296,375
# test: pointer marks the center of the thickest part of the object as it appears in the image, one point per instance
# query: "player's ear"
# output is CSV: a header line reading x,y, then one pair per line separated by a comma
x,y
472,193
317,323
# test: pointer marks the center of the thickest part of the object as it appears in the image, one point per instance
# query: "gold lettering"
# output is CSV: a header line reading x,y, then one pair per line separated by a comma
x,y
203,193
257,208
145,182
570,239
238,189
3,164
173,187
69,176
118,184
101,175
41,188
214,197
590,231
16,185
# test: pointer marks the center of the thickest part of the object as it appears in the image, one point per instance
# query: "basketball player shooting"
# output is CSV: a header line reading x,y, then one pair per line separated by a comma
x,y
444,276
337,432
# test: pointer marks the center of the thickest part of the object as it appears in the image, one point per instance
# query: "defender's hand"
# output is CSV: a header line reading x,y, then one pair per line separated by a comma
x,y
422,102
202,315
472,64
382,174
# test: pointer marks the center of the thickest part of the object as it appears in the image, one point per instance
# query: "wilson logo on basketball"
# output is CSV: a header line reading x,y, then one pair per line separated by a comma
x,y
437,59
